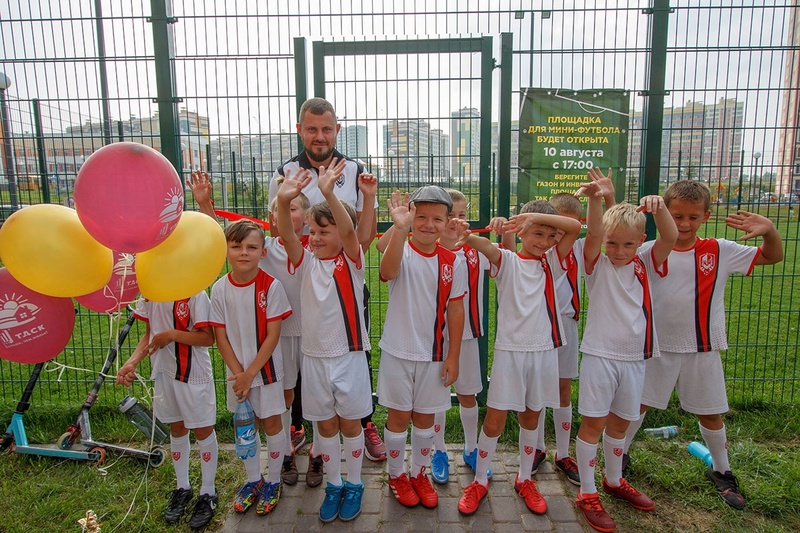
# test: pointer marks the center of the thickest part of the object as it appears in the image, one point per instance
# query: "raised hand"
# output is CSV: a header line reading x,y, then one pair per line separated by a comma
x,y
651,204
200,185
497,224
292,185
753,224
328,176
402,214
599,184
462,231
521,223
368,184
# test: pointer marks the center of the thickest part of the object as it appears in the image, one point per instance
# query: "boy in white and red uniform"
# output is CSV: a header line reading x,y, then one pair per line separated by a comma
x,y
426,284
469,382
525,367
247,309
689,306
619,337
568,293
176,339
335,387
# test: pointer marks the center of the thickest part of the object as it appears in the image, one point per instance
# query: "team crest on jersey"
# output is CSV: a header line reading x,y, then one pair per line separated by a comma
x,y
528,450
707,263
206,456
394,453
182,310
339,263
340,181
262,300
447,274
638,267
472,256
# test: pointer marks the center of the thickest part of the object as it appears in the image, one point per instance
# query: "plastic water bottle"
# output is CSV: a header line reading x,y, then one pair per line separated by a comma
x,y
667,432
244,425
142,418
701,452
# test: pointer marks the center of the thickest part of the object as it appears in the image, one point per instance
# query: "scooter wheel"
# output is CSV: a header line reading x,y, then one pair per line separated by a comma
x,y
100,455
158,456
64,442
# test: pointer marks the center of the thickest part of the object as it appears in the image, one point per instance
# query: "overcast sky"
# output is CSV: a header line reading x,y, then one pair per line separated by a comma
x,y
235,61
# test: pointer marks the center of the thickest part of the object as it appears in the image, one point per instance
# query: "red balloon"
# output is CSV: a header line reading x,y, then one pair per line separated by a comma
x,y
33,327
128,197
120,290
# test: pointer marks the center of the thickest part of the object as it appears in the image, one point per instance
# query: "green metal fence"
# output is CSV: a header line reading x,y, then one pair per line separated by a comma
x,y
426,92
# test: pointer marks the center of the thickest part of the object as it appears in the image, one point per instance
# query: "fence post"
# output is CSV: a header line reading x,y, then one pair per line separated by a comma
x,y
164,60
653,112
40,150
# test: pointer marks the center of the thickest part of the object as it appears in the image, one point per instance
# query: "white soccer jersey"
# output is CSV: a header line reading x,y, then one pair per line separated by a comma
x,y
244,311
527,311
276,264
332,299
568,286
416,317
619,321
189,364
476,264
689,303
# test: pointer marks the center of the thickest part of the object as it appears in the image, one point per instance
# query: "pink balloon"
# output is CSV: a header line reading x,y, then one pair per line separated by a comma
x,y
128,197
120,290
33,327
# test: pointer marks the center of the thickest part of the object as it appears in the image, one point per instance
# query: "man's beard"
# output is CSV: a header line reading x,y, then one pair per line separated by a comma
x,y
317,157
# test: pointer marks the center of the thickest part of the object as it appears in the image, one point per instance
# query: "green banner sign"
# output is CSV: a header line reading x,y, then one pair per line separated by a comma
x,y
563,133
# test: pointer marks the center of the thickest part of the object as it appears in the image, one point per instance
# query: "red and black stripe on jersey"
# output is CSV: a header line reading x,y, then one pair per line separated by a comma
x,y
351,310
446,260
262,284
473,303
572,279
551,303
647,307
183,352
706,256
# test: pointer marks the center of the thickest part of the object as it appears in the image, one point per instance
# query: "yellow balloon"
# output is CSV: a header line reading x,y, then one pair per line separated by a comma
x,y
46,248
187,262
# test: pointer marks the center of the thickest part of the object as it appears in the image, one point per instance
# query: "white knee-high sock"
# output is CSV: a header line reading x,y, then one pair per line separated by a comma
x,y
276,447
421,445
486,448
562,420
439,422
612,454
586,457
330,449
527,450
716,441
209,453
252,465
632,429
179,446
354,457
395,451
469,421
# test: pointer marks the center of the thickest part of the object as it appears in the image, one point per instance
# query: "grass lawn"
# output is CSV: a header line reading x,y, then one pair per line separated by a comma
x,y
45,494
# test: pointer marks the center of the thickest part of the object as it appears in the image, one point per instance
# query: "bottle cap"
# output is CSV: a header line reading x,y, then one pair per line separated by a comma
x,y
126,403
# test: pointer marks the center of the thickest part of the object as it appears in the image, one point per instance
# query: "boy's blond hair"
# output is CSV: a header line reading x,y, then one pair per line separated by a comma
x,y
321,213
239,230
456,196
538,206
302,200
565,202
623,217
689,191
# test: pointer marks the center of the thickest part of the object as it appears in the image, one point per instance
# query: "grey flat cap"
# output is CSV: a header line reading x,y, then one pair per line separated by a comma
x,y
433,194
